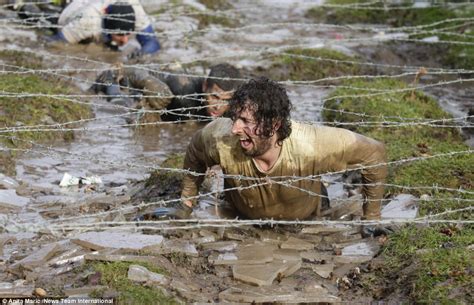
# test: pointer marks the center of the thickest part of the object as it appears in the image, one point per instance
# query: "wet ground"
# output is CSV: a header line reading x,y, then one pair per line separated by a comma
x,y
296,264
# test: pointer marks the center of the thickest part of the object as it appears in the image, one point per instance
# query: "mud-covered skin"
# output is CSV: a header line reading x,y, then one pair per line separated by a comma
x,y
310,150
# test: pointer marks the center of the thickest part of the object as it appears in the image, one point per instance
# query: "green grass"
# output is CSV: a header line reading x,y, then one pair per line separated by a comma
x,y
26,111
26,60
216,4
443,271
459,56
114,275
386,14
160,177
29,111
437,274
300,64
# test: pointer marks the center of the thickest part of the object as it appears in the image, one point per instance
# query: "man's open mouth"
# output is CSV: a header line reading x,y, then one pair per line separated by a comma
x,y
246,143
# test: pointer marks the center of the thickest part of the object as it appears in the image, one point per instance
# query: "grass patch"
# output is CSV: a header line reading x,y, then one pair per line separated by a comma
x,y
206,19
216,4
311,64
18,112
28,111
444,271
379,13
115,275
26,60
459,55
160,177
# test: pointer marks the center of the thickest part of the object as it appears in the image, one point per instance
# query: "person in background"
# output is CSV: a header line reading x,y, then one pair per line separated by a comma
x,y
194,97
40,12
107,21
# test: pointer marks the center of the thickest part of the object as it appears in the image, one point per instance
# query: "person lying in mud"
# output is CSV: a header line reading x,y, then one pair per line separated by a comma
x,y
195,97
39,12
111,22
260,142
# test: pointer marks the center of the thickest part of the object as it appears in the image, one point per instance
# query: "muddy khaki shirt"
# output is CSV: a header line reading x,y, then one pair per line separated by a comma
x,y
82,19
309,150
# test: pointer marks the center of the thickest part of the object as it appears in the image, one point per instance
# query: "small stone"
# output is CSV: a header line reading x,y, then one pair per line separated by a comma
x,y
256,253
276,294
220,246
402,206
297,244
7,182
223,259
271,237
324,270
316,256
118,240
38,258
264,274
40,292
359,249
324,229
9,200
287,254
141,274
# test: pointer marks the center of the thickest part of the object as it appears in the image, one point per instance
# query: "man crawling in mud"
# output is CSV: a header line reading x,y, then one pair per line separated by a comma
x,y
194,97
273,163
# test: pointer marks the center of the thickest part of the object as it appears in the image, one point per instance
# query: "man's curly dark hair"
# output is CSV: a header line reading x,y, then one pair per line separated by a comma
x,y
269,103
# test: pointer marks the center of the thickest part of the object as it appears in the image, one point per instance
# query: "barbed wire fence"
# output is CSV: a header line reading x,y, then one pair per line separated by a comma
x,y
76,75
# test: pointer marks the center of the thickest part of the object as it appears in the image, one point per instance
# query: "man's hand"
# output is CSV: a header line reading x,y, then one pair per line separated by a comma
x,y
103,82
375,231
134,54
181,212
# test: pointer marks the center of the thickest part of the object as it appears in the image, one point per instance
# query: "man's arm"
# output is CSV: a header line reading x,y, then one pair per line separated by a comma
x,y
368,154
341,149
194,161
157,94
148,41
198,158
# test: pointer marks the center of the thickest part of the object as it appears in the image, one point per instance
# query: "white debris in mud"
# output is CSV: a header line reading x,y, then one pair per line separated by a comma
x,y
402,206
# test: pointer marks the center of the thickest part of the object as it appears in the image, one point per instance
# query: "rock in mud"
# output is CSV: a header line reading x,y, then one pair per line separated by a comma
x,y
402,206
361,249
324,270
220,246
9,200
280,294
117,240
7,182
256,253
265,274
326,229
173,246
16,289
38,258
141,274
297,244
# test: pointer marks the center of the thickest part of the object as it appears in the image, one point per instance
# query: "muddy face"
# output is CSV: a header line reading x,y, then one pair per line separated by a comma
x,y
217,100
246,129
